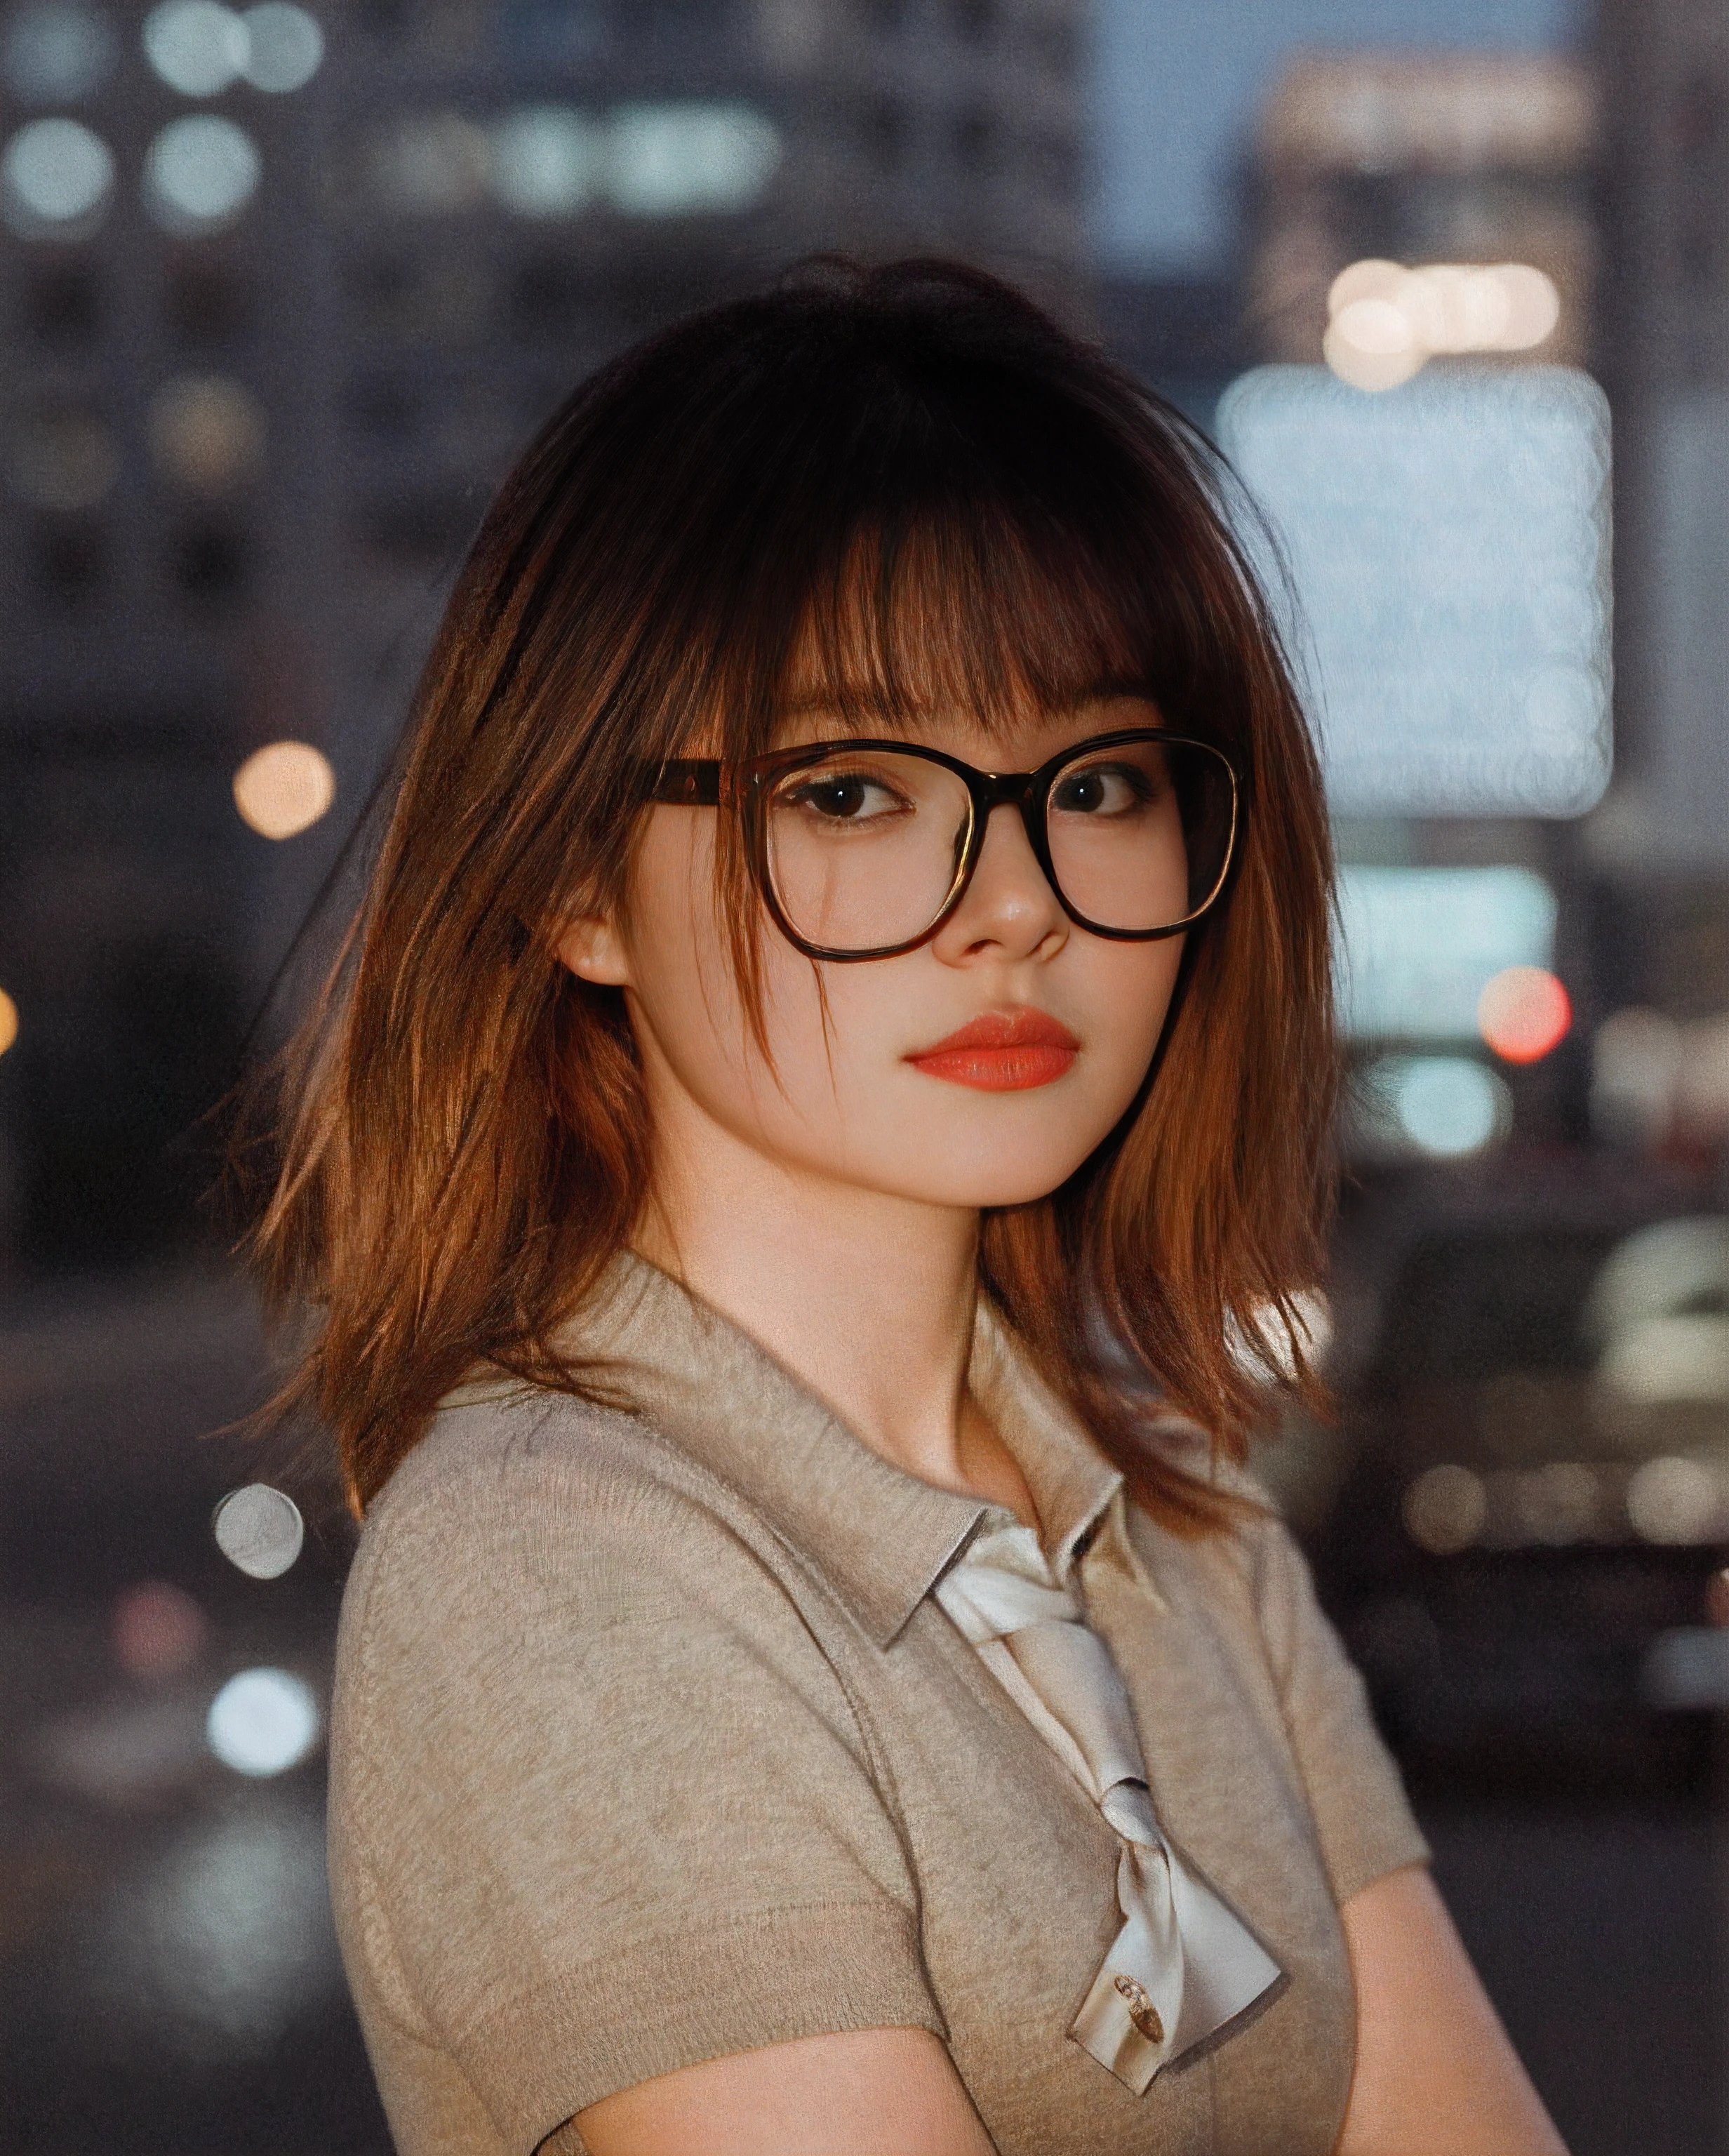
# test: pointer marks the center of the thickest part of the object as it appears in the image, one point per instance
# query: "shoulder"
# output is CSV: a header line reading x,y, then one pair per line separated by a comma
x,y
525,1513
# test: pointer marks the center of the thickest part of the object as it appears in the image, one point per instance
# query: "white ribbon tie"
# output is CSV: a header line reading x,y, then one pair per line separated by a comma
x,y
1183,1963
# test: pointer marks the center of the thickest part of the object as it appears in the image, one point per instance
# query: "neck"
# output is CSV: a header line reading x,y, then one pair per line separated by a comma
x,y
868,1298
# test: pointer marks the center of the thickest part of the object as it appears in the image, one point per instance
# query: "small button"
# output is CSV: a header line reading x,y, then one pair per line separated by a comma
x,y
1141,2010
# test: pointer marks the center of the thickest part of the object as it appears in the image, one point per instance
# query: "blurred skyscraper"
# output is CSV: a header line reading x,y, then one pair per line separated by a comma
x,y
1666,359
284,290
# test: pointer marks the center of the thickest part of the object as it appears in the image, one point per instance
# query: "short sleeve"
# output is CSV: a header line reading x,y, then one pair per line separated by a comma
x,y
603,1799
1363,1817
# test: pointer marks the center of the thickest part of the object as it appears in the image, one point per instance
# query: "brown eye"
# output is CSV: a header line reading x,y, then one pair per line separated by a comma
x,y
1101,789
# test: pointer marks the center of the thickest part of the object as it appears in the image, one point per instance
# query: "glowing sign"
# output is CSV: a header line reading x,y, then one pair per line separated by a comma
x,y
1447,549
1417,947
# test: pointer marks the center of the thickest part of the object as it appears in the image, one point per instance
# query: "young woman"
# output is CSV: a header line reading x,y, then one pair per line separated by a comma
x,y
836,1048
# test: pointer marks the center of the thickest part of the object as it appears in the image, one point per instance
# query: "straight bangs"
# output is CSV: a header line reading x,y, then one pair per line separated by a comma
x,y
878,499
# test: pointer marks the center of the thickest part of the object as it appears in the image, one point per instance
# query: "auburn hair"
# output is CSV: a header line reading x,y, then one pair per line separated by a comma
x,y
910,479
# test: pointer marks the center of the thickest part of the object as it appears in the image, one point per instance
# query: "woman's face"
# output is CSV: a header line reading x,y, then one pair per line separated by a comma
x,y
863,1099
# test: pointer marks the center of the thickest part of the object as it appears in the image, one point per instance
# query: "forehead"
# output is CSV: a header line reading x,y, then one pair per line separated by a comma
x,y
1021,737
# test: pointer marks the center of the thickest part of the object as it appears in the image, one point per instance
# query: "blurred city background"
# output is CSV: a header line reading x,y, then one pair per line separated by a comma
x,y
283,291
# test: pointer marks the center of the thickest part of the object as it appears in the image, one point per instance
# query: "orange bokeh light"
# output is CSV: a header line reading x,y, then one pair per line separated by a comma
x,y
1523,1012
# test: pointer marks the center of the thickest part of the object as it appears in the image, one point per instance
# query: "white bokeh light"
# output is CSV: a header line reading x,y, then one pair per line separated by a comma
x,y
196,46
1447,1105
684,159
284,47
263,1721
547,161
1386,321
200,173
55,179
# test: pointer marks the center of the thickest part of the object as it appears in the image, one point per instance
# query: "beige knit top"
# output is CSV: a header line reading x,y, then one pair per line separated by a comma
x,y
654,1740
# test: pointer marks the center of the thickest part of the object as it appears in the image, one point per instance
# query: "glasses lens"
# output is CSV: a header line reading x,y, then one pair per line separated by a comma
x,y
1140,833
863,847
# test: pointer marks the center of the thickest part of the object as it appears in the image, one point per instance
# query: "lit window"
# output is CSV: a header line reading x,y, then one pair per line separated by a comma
x,y
1418,946
55,180
196,46
56,51
1448,549
684,159
200,173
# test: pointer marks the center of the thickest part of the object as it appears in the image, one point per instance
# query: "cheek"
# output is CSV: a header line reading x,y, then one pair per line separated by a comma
x,y
688,1004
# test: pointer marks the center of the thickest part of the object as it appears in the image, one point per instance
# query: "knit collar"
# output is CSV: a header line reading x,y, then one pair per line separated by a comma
x,y
880,1536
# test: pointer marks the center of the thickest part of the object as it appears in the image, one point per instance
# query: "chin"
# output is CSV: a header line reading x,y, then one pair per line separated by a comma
x,y
982,1184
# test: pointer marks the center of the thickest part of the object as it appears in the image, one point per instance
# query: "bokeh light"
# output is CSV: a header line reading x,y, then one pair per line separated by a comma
x,y
1444,1106
157,1629
547,161
263,1721
56,52
207,434
1673,1501
1386,321
1372,345
56,177
1445,1509
1523,1013
8,1021
196,46
683,160
284,788
284,47
200,173
1557,1504
259,1530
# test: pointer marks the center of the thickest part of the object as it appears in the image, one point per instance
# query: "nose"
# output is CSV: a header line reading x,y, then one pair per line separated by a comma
x,y
1010,911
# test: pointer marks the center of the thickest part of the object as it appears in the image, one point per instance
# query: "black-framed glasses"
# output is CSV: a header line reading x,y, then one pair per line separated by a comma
x,y
863,849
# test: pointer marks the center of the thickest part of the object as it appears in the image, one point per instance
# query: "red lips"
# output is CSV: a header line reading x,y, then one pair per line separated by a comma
x,y
1002,1052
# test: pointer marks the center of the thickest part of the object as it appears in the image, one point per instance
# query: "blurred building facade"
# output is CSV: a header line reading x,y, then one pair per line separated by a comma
x,y
1662,839
1458,159
284,292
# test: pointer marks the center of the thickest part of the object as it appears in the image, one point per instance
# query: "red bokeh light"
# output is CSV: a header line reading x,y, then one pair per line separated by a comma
x,y
1523,1012
156,1629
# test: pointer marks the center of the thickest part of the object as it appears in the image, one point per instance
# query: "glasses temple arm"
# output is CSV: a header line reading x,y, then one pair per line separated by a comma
x,y
688,782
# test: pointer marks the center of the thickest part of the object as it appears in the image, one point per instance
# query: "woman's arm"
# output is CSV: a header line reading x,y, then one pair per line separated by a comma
x,y
1435,2074
865,2092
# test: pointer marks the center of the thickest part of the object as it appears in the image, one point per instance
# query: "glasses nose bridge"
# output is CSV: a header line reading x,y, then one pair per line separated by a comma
x,y
1002,789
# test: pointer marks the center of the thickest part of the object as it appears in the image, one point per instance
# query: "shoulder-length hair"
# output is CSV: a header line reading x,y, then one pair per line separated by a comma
x,y
913,473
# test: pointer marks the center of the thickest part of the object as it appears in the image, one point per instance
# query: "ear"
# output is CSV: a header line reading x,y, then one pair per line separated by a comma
x,y
593,949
